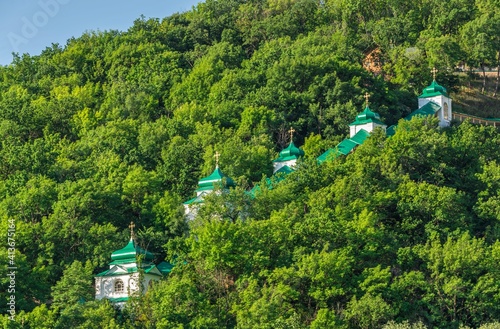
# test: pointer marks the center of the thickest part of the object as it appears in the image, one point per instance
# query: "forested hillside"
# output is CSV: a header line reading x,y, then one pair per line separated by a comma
x,y
115,127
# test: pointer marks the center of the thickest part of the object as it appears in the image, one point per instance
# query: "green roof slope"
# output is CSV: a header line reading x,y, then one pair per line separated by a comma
x,y
429,108
344,147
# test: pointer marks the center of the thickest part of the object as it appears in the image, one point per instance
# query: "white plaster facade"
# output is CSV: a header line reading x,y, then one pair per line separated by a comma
x,y
445,114
105,286
369,127
278,165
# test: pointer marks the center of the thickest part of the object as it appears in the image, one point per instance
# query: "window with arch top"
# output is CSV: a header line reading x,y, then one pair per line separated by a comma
x,y
445,111
119,285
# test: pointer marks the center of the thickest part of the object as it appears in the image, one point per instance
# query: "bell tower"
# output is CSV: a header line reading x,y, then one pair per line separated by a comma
x,y
437,94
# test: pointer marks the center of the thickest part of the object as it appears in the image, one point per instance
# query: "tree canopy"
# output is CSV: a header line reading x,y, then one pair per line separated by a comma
x,y
115,127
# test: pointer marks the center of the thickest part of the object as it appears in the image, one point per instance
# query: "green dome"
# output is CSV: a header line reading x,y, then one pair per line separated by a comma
x,y
367,116
434,89
217,176
291,152
130,253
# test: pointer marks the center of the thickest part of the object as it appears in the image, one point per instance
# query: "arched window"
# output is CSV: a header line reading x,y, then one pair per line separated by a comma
x,y
119,285
445,109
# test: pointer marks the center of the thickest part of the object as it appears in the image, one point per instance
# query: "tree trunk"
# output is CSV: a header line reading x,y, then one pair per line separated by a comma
x,y
484,79
498,75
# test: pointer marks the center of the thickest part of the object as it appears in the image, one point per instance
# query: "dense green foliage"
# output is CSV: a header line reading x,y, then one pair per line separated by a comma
x,y
119,126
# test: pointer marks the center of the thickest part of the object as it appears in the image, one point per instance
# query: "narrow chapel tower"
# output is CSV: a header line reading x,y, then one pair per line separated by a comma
x,y
366,120
288,157
122,279
436,94
207,185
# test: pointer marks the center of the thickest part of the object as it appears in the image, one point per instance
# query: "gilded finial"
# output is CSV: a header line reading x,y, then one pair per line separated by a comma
x,y
291,131
434,71
131,227
216,156
367,96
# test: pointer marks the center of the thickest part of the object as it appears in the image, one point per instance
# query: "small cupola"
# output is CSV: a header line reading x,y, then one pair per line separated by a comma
x,y
289,155
216,178
208,185
366,120
434,89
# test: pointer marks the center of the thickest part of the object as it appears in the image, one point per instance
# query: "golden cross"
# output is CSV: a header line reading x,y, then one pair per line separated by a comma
x,y
131,227
217,155
367,96
291,131
434,71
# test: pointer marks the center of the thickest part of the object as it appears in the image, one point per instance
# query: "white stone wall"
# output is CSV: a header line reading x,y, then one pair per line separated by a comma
x,y
105,286
441,101
278,165
190,210
369,127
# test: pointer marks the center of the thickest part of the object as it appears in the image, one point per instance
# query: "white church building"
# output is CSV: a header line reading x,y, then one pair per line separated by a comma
x,y
131,272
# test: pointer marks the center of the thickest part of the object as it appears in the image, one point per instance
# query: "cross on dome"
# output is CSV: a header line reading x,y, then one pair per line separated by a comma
x,y
367,96
131,227
291,131
434,71
217,156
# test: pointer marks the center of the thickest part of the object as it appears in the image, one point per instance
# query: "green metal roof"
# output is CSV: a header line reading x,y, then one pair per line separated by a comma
x,y
128,270
291,152
129,253
123,261
118,300
125,253
165,267
124,270
217,176
278,176
209,183
150,269
391,130
434,89
367,116
329,154
285,170
360,137
344,147
197,199
429,108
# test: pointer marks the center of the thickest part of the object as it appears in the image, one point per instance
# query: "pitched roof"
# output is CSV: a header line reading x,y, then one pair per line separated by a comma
x,y
196,199
344,147
430,108
165,267
277,177
360,137
120,270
